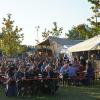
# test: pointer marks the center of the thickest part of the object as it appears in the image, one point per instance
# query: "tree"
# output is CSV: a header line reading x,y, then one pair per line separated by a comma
x,y
22,49
95,24
11,37
84,31
45,34
56,32
73,33
81,31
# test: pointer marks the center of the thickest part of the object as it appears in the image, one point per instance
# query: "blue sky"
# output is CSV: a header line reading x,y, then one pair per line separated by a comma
x,y
28,14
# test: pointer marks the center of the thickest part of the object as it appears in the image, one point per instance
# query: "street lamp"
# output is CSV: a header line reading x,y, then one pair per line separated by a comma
x,y
37,29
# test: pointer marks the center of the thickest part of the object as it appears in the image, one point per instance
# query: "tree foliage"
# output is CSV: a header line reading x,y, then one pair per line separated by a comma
x,y
95,24
73,33
11,37
45,34
82,31
56,31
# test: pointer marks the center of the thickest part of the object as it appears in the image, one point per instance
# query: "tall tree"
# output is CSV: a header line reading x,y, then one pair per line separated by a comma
x,y
73,33
12,37
82,31
56,31
95,23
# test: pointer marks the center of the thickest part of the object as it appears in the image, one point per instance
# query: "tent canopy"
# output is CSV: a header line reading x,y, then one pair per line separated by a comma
x,y
90,44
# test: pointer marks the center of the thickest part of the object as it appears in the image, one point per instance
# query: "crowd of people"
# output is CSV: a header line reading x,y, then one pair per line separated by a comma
x,y
35,73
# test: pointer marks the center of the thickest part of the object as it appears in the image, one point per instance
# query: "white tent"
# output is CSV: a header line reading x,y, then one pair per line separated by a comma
x,y
90,44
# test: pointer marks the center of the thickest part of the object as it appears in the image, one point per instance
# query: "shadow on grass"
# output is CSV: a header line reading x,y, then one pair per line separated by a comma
x,y
64,93
93,91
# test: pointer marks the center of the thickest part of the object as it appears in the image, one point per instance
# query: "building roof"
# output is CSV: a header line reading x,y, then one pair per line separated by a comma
x,y
61,41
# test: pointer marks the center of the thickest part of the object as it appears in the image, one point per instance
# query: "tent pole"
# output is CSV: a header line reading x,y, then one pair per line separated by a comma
x,y
46,51
88,54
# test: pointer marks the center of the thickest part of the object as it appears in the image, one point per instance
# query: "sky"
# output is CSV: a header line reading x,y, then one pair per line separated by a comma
x,y
28,14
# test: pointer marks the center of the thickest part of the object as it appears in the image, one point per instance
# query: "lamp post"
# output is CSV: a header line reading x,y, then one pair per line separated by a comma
x,y
37,29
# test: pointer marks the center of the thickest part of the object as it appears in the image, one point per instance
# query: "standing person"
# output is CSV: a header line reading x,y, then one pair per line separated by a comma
x,y
90,72
11,83
19,76
72,73
63,72
83,63
64,68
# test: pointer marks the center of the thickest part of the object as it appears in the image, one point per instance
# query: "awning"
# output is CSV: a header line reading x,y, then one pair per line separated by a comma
x,y
90,44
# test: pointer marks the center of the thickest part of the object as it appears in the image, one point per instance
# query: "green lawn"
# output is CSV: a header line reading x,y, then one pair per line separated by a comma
x,y
64,93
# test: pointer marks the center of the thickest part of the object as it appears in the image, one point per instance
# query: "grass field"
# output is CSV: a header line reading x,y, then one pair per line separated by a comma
x,y
64,93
